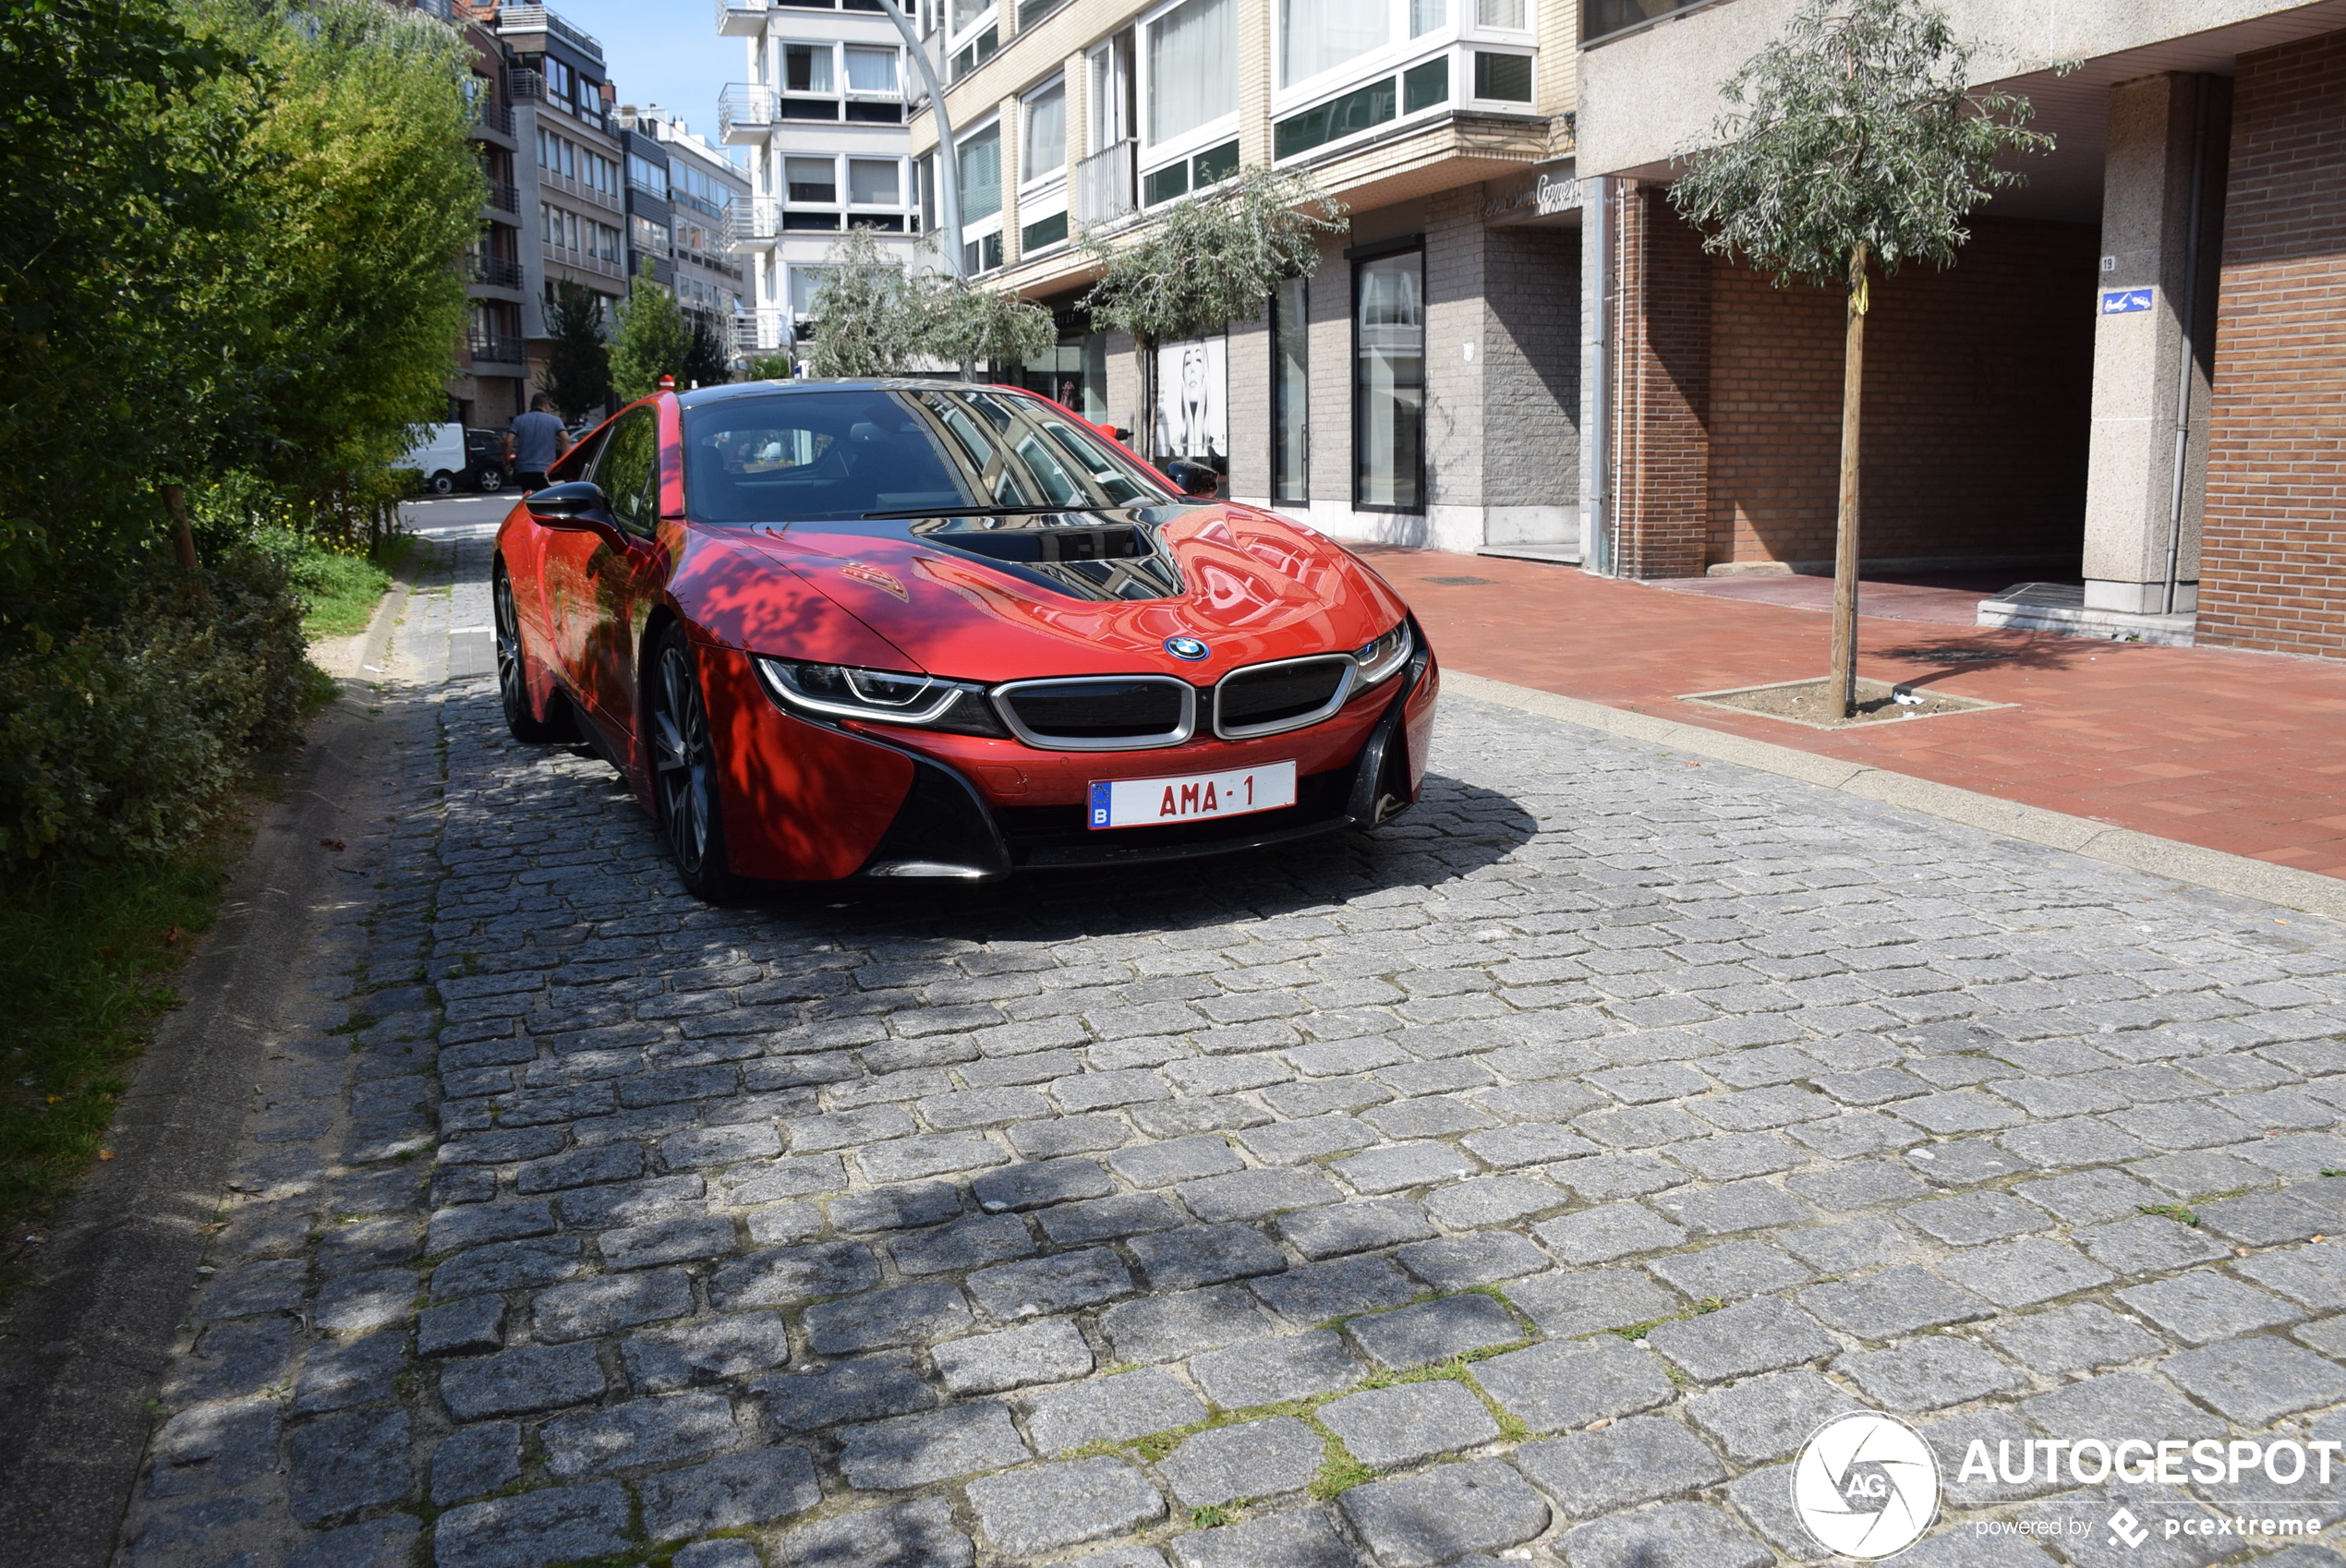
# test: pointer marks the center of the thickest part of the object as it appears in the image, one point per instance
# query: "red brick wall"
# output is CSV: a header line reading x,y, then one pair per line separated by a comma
x,y
2273,551
1663,415
1976,405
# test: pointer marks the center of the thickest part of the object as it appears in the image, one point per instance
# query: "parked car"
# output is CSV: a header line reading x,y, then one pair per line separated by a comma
x,y
912,629
487,469
440,455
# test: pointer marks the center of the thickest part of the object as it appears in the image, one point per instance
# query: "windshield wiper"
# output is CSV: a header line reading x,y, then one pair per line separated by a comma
x,y
984,511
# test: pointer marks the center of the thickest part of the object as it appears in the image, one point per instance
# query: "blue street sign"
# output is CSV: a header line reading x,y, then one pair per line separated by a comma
x,y
2125,301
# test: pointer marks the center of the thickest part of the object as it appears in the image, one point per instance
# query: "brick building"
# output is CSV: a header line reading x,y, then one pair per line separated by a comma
x,y
2131,381
1422,384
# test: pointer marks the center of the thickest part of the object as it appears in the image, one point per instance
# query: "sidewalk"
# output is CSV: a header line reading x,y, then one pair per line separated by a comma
x,y
2240,752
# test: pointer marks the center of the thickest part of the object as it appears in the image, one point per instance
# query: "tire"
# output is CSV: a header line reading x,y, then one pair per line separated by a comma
x,y
512,671
684,759
443,483
491,481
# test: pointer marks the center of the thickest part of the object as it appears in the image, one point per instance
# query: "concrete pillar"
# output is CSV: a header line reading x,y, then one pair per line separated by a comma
x,y
2149,440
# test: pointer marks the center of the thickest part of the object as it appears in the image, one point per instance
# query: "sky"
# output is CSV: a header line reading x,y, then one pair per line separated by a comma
x,y
663,52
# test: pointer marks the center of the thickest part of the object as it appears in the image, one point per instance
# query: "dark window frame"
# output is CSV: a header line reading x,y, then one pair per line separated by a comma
x,y
1280,477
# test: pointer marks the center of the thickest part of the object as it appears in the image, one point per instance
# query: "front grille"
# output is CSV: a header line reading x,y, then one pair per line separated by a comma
x,y
1290,695
1100,713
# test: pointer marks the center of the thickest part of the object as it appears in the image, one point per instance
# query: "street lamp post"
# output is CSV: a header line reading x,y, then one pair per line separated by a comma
x,y
948,158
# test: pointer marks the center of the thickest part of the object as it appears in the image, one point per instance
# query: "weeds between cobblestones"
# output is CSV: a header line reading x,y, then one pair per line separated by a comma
x,y
1534,1174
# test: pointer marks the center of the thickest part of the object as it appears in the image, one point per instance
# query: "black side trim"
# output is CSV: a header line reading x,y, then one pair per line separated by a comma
x,y
1393,247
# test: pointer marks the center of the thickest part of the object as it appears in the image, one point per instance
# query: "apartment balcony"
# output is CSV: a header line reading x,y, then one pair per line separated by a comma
x,y
502,203
485,350
752,223
512,19
587,193
580,261
493,122
1103,188
741,18
494,272
745,113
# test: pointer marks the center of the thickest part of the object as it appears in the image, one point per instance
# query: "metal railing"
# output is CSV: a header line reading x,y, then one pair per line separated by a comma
x,y
494,118
496,350
538,18
503,196
1101,188
755,218
585,262
496,271
744,106
584,192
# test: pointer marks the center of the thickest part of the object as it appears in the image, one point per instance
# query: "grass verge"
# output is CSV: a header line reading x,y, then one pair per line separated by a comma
x,y
340,589
87,952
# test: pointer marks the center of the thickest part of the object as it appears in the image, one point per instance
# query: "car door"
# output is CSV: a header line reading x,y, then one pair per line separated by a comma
x,y
615,579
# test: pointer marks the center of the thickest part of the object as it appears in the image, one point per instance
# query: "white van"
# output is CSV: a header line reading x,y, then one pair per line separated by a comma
x,y
438,452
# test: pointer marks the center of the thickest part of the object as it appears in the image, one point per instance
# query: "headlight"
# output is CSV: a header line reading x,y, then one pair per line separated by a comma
x,y
1384,657
884,697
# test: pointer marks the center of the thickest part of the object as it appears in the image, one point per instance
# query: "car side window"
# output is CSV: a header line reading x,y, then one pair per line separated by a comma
x,y
625,469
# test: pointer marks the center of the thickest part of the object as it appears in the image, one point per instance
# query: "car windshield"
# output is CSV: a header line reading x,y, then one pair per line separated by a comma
x,y
828,455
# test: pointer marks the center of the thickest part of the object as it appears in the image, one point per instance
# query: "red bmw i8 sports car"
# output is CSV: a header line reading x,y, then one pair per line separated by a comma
x,y
908,629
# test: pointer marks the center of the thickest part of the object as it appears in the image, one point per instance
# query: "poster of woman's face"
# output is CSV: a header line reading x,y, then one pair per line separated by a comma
x,y
1192,399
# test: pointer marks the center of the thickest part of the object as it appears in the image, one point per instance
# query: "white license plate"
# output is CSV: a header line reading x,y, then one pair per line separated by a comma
x,y
1190,797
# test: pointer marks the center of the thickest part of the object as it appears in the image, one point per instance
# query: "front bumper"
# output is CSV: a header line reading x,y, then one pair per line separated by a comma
x,y
895,803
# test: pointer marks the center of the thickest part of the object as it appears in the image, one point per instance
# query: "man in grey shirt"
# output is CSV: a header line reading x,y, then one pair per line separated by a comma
x,y
535,443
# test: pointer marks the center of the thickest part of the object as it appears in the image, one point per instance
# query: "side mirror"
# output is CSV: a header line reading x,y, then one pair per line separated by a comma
x,y
1192,478
579,506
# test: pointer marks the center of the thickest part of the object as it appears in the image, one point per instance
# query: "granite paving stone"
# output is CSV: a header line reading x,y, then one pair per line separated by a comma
x,y
1409,1422
1253,1459
1641,1459
1477,1507
820,1230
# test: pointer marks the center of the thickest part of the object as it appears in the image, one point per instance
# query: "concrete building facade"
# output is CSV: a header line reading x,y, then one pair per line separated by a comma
x,y
704,192
2127,389
823,116
1422,384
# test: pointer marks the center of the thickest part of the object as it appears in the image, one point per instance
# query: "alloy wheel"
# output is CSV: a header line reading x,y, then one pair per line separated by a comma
x,y
511,685
680,760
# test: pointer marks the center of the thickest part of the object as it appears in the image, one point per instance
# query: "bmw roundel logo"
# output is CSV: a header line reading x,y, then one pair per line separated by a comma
x,y
1186,647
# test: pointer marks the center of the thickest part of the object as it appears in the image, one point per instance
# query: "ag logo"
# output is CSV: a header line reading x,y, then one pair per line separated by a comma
x,y
1865,1486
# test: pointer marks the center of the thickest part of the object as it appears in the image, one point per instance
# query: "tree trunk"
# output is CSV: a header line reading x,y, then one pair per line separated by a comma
x,y
183,541
1845,557
1144,434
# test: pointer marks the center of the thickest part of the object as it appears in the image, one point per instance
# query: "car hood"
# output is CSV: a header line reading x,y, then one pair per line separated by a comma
x,y
1093,593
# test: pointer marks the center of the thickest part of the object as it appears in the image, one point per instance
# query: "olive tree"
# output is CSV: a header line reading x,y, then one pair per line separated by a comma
x,y
1207,261
1851,146
870,317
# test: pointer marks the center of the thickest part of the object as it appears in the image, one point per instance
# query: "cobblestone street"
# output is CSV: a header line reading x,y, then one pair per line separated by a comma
x,y
1528,1179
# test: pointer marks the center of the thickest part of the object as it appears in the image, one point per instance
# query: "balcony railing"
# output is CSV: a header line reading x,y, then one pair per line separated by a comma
x,y
538,18
585,262
496,271
744,111
1102,189
493,117
503,196
496,350
570,186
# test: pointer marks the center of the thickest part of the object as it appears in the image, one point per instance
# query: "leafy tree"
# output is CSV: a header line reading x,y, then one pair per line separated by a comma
x,y
358,128
578,362
1851,144
653,341
971,322
1210,261
708,360
774,366
870,318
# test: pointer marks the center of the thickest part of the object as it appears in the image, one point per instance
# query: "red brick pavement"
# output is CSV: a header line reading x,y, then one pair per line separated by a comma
x,y
2236,750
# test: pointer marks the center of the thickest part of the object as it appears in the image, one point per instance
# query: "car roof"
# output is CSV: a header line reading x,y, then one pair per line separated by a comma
x,y
730,389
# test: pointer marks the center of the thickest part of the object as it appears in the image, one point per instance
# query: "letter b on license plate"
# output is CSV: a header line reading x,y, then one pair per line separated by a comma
x,y
1149,802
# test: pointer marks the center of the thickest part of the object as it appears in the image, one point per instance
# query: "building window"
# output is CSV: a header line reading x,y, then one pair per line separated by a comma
x,y
1502,77
981,161
1290,391
1045,154
812,179
874,182
1388,382
805,284
1043,233
647,176
1356,110
1424,86
982,255
870,71
650,237
1192,68
1506,14
806,67
1320,35
1209,167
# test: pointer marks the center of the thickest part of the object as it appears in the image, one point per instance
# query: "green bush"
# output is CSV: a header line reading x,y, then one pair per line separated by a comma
x,y
118,740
